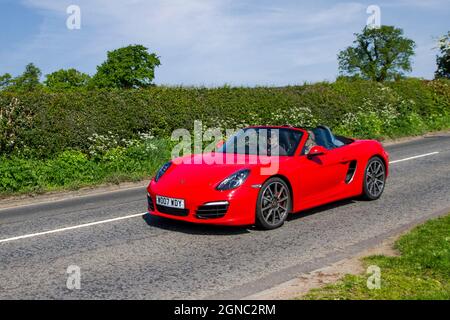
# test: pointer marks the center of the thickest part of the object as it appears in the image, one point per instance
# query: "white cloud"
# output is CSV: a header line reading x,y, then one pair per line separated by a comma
x,y
423,4
206,42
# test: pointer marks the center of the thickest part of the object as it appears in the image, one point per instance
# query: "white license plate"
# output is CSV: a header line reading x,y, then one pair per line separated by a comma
x,y
170,202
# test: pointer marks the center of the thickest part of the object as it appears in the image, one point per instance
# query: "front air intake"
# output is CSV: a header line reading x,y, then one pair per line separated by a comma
x,y
212,210
172,211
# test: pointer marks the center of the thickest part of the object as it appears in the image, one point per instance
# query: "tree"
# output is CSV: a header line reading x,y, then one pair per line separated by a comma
x,y
378,54
5,81
66,79
128,67
443,60
29,80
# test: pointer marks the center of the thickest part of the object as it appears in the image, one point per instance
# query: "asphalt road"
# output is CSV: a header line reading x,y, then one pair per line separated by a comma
x,y
141,258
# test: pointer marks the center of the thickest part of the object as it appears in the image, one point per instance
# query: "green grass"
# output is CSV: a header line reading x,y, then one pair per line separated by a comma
x,y
73,169
422,271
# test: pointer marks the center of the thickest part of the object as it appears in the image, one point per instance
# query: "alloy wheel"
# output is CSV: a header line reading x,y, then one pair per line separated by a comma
x,y
375,178
274,203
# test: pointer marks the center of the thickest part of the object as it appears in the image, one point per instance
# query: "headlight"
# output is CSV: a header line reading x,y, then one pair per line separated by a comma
x,y
234,181
162,170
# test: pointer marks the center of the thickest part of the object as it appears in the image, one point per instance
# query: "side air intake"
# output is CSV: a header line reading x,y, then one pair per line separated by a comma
x,y
350,172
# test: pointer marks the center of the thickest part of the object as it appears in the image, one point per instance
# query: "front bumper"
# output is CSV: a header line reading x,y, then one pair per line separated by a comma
x,y
233,207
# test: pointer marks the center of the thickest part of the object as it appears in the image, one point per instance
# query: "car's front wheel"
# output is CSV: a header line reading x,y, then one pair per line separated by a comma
x,y
374,179
274,204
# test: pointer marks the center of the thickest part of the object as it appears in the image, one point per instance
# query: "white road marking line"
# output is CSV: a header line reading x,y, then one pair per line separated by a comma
x,y
140,214
415,157
72,228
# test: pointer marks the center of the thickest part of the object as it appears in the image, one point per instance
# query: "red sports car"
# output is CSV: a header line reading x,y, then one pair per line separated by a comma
x,y
263,173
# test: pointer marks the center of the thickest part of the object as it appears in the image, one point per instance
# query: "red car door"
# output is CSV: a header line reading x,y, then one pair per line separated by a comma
x,y
321,177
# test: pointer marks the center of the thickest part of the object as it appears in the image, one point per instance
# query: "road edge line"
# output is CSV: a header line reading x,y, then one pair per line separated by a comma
x,y
84,225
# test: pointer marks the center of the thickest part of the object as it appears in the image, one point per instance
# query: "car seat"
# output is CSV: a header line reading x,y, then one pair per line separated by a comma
x,y
325,138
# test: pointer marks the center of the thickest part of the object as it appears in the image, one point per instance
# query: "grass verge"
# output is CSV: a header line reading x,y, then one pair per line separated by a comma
x,y
73,169
422,271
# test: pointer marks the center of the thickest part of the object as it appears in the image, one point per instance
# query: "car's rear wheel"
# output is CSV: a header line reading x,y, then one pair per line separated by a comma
x,y
374,179
274,204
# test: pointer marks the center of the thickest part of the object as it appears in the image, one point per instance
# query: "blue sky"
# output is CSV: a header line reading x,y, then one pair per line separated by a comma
x,y
212,42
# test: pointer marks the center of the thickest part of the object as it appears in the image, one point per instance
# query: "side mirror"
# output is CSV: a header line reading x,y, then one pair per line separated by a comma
x,y
316,151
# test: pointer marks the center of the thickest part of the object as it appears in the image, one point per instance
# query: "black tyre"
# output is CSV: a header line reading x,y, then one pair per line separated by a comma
x,y
273,204
374,179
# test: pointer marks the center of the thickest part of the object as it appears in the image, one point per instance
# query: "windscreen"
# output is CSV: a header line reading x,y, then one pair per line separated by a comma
x,y
263,141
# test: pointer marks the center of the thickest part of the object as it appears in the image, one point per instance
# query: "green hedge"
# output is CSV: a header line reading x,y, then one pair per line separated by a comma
x,y
69,139
43,124
73,169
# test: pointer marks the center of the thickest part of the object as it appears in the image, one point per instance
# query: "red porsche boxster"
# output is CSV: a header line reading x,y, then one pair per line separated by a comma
x,y
261,174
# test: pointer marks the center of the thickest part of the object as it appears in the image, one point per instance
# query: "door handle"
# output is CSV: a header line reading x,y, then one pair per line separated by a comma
x,y
344,160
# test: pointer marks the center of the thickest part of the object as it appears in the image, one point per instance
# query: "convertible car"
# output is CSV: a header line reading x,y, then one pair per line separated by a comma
x,y
263,173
